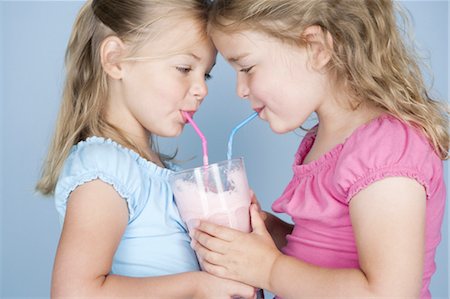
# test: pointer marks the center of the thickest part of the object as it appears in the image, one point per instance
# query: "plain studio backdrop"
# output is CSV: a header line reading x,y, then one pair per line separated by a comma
x,y
33,37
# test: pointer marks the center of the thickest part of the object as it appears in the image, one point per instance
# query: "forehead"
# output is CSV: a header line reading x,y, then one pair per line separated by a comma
x,y
185,35
234,46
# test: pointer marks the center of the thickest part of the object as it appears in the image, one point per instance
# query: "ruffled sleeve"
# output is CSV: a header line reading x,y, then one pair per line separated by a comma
x,y
386,147
97,158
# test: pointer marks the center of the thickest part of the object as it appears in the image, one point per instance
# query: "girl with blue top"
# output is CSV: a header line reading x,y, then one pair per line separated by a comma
x,y
132,68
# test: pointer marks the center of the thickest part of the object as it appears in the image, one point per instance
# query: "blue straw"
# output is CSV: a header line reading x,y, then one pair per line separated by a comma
x,y
230,140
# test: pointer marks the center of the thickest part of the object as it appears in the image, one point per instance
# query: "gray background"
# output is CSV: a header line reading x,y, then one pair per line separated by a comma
x,y
33,36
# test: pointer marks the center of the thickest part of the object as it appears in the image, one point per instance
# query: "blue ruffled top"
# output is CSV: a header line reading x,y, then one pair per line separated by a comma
x,y
156,241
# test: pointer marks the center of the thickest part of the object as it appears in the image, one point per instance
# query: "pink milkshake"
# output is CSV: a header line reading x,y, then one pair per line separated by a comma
x,y
218,193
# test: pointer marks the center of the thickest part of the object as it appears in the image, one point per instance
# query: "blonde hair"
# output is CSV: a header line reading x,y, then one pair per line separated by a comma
x,y
85,92
369,55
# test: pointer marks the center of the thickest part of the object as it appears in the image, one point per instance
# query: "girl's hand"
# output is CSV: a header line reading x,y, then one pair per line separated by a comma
x,y
231,254
210,286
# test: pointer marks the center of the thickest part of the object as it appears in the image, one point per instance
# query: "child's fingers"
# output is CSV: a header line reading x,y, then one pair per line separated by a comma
x,y
252,195
254,200
206,255
209,242
256,220
218,231
215,269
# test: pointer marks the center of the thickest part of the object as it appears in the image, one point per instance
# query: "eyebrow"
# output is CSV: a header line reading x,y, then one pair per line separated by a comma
x,y
198,58
193,55
237,58
142,58
188,54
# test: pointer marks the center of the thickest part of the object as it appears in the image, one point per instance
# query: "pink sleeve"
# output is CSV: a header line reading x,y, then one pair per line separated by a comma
x,y
386,148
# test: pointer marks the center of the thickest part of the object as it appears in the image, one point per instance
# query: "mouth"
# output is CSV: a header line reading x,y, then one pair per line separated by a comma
x,y
258,110
190,113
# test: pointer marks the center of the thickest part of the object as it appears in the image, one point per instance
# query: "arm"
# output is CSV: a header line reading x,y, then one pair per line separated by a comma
x,y
95,221
388,218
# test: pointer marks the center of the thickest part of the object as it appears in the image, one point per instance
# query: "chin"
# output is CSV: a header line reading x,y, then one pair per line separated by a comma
x,y
176,133
279,129
179,129
171,132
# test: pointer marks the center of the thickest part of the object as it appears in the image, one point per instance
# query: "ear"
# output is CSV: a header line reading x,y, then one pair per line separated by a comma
x,y
320,45
112,50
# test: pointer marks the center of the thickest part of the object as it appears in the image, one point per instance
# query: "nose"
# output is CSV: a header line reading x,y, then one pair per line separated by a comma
x,y
242,89
200,89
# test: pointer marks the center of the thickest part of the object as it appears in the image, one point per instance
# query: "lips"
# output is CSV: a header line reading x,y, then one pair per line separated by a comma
x,y
258,110
190,113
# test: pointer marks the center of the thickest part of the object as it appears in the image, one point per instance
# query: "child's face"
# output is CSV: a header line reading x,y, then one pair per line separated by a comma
x,y
155,91
275,77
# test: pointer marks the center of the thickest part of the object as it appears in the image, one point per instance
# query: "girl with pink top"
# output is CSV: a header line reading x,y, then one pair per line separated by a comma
x,y
367,196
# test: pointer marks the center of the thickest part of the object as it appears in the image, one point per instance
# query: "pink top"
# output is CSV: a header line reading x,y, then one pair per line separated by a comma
x,y
318,196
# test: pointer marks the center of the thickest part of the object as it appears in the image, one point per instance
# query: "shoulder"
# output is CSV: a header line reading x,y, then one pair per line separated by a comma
x,y
104,157
97,153
385,147
99,158
390,133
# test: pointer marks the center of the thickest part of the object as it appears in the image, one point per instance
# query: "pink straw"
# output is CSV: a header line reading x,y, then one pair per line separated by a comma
x,y
202,137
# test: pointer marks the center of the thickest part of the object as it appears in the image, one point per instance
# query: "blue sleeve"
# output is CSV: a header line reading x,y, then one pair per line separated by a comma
x,y
105,161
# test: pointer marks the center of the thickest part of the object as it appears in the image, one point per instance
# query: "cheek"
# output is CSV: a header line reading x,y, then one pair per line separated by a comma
x,y
172,88
138,88
165,94
263,87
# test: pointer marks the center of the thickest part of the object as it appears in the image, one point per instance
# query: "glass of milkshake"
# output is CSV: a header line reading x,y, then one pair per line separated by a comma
x,y
217,192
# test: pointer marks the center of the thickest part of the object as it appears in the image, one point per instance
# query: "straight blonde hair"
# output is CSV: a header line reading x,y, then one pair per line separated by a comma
x,y
369,55
82,112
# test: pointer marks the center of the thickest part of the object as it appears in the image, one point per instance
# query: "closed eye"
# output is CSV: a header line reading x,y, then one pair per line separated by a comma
x,y
246,70
184,70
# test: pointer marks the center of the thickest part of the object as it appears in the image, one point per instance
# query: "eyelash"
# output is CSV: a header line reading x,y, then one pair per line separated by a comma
x,y
186,70
246,70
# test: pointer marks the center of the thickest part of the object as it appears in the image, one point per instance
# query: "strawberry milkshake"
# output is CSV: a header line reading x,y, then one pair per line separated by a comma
x,y
218,193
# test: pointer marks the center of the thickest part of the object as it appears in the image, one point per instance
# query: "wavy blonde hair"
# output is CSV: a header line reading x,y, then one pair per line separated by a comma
x,y
82,112
369,55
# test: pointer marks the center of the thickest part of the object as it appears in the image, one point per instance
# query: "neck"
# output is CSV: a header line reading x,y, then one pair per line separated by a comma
x,y
339,122
119,115
336,124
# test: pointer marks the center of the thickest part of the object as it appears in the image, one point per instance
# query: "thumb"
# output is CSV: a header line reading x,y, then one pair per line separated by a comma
x,y
253,197
256,220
